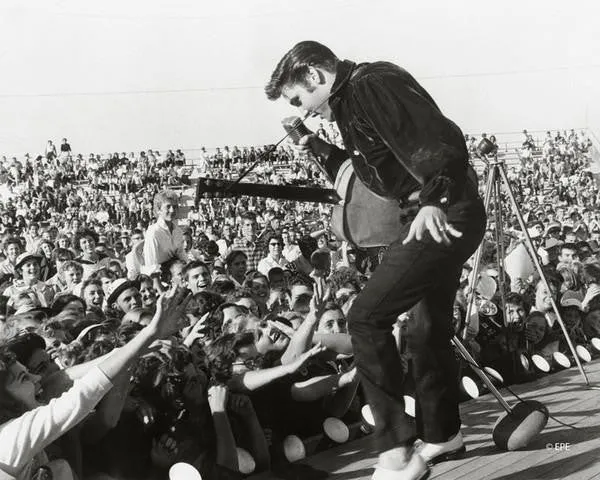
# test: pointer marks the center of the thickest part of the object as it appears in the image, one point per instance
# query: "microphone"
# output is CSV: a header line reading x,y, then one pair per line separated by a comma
x,y
295,128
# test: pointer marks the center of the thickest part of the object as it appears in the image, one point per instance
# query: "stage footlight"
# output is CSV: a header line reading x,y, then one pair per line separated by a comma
x,y
583,353
184,471
246,462
293,448
336,430
540,363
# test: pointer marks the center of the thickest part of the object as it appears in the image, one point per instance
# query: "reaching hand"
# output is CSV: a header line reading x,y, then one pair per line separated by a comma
x,y
433,220
302,359
170,312
217,398
320,297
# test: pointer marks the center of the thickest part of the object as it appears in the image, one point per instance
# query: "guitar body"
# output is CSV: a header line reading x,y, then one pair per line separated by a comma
x,y
359,216
363,218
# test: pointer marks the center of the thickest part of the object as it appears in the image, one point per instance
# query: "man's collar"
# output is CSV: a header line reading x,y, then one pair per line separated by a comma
x,y
343,72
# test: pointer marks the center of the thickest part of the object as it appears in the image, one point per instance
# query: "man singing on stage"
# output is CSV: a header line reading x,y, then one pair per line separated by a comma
x,y
400,143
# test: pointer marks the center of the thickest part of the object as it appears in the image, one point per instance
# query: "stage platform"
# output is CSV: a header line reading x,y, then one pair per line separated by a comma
x,y
559,452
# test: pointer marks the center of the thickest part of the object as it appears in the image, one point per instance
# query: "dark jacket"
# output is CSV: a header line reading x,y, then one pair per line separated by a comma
x,y
396,135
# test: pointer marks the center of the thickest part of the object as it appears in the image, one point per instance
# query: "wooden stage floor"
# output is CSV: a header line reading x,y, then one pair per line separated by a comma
x,y
559,452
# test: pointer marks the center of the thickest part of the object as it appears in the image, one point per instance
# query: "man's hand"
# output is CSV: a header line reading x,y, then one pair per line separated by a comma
x,y
433,220
321,295
313,144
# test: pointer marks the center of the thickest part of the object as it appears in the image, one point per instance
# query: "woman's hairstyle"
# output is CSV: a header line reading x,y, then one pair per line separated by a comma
x,y
254,275
62,253
590,273
85,233
237,294
233,255
9,408
162,197
40,251
63,236
344,277
90,281
72,265
294,65
221,354
12,241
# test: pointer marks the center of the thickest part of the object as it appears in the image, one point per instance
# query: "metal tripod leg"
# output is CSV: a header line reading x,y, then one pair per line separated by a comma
x,y
477,369
538,266
489,189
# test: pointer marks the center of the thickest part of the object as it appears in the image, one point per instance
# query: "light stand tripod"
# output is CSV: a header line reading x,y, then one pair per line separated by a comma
x,y
496,175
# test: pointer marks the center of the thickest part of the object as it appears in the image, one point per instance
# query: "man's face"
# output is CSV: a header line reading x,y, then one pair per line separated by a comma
x,y
93,296
248,229
567,255
30,270
12,252
136,238
310,97
332,321
543,297
168,211
198,279
129,299
72,276
515,313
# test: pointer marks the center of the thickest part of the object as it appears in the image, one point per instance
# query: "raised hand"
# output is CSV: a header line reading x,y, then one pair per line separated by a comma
x,y
321,295
170,312
299,362
217,398
433,220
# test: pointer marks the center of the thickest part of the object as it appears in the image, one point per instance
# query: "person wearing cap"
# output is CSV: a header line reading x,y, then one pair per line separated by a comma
x,y
553,230
164,239
124,296
27,269
572,314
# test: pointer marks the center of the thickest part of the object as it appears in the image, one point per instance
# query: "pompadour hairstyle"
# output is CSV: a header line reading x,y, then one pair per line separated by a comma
x,y
293,67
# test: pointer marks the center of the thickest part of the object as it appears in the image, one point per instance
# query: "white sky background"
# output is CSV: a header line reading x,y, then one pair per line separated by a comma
x,y
129,75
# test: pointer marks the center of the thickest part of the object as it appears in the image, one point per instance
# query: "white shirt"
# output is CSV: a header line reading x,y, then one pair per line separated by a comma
x,y
162,244
269,262
24,438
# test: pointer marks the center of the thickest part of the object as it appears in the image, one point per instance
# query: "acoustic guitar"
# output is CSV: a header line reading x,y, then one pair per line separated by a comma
x,y
359,216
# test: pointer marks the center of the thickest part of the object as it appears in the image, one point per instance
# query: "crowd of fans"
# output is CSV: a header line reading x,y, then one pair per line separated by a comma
x,y
218,336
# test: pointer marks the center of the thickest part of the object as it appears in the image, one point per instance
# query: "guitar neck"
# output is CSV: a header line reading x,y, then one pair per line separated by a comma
x,y
219,188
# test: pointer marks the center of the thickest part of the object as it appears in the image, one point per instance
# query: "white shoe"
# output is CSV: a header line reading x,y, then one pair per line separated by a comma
x,y
415,469
434,453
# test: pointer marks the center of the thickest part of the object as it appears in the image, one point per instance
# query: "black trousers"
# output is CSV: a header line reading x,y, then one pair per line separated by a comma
x,y
422,276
